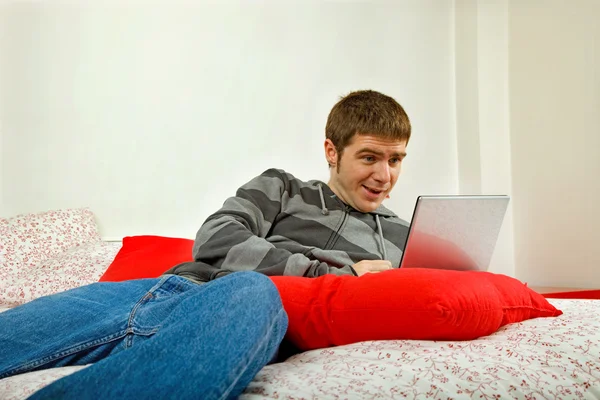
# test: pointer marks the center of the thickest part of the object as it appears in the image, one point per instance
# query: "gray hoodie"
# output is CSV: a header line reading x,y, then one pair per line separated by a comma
x,y
279,225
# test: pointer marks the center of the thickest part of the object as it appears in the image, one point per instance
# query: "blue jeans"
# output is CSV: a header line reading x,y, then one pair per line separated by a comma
x,y
148,338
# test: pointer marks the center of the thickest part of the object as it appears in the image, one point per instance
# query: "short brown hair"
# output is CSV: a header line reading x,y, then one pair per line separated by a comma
x,y
366,112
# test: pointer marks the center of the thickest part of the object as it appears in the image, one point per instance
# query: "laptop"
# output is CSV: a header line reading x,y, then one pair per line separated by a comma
x,y
454,232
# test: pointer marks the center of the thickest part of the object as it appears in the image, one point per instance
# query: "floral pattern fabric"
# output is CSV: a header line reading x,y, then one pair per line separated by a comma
x,y
78,266
48,252
543,358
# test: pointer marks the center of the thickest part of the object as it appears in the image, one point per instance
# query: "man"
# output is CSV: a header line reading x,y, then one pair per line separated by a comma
x,y
177,335
279,225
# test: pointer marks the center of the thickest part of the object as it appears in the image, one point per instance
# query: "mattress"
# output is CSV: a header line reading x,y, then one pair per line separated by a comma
x,y
544,358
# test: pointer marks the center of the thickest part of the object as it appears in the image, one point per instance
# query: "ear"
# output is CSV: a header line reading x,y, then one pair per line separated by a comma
x,y
330,153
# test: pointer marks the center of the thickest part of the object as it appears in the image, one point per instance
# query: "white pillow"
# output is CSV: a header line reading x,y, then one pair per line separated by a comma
x,y
34,237
48,252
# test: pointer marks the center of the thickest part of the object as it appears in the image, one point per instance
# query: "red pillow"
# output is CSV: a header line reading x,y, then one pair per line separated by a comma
x,y
147,257
412,303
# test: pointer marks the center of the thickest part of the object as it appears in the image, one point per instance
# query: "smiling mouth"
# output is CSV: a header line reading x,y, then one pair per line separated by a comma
x,y
373,191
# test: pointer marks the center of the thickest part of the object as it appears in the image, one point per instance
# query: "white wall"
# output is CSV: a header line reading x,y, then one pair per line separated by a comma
x,y
2,100
151,116
555,138
482,111
528,124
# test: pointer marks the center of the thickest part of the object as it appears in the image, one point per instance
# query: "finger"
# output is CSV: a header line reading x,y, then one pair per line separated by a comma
x,y
383,264
380,267
387,264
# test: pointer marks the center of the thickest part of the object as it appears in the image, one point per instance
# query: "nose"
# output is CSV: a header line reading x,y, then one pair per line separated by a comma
x,y
382,172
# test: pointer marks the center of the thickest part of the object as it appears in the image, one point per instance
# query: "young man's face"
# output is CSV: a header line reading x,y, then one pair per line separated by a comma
x,y
367,170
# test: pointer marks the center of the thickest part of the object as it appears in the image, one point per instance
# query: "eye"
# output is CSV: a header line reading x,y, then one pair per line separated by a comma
x,y
369,158
395,160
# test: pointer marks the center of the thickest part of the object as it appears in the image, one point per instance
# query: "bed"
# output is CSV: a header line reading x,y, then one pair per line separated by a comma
x,y
542,358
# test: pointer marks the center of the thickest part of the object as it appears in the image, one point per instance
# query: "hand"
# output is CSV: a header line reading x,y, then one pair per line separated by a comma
x,y
371,266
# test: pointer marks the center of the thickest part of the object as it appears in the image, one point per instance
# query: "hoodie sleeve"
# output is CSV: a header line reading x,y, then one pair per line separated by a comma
x,y
233,238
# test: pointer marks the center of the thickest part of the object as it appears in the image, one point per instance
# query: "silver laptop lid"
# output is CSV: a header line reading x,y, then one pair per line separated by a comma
x,y
454,232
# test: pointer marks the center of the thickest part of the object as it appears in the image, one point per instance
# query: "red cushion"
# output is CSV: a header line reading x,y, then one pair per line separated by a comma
x,y
147,257
579,294
412,303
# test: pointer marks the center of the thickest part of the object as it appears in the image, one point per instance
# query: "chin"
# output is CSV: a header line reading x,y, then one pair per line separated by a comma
x,y
367,208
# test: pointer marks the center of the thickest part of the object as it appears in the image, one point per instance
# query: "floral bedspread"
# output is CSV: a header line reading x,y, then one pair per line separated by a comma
x,y
544,358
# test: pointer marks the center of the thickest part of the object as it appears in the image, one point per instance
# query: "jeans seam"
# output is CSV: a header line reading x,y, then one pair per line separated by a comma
x,y
149,295
263,343
67,352
96,342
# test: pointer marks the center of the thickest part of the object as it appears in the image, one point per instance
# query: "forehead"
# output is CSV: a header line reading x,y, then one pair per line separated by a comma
x,y
362,142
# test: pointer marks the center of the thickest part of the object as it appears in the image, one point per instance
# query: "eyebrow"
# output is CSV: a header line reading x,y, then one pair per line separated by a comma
x,y
380,153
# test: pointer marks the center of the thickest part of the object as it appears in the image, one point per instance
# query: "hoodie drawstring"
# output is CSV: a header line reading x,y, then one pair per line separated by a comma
x,y
324,209
381,239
